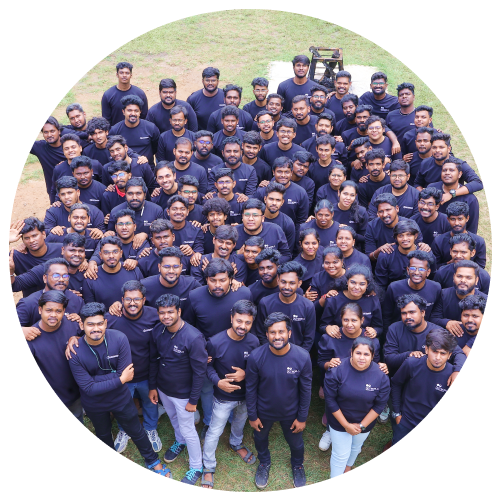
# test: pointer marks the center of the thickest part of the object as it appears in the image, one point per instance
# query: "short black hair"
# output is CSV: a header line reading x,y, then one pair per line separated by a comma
x,y
292,266
119,166
350,98
275,187
231,86
168,300
408,298
230,110
111,240
223,172
66,182
122,65
378,75
73,107
303,157
203,133
457,208
440,136
299,98
282,161
376,153
136,182
165,164
74,240
97,123
360,141
256,241
473,302
113,139
179,109
170,252
219,205
456,239
91,309
466,263
399,165
301,59
177,198
286,122
31,224
226,232
343,74
306,232
277,317
51,120
440,338
361,108
209,72
53,296
451,159
188,180
244,307
431,192
254,203
159,225
131,99
252,137
423,256
270,254
167,83
231,140
58,260
405,226
406,85
385,198
125,212
132,286
423,107
71,137
79,206
217,266
262,82
81,161
336,251
184,140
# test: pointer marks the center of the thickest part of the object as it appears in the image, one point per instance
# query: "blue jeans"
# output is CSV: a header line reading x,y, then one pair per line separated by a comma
x,y
149,410
207,396
345,450
220,415
399,431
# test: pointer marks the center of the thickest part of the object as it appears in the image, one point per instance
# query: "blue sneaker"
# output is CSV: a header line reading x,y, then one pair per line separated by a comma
x,y
173,452
192,476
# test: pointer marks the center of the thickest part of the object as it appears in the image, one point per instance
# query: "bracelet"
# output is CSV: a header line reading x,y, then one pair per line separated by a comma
x,y
12,275
324,296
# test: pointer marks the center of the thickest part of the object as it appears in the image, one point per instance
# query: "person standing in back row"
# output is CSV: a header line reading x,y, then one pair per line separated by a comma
x,y
299,84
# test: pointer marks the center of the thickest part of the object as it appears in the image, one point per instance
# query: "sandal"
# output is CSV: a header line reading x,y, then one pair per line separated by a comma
x,y
246,458
206,482
163,471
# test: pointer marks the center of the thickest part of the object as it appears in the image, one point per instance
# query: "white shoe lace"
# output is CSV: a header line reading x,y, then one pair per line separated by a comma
x,y
121,436
153,435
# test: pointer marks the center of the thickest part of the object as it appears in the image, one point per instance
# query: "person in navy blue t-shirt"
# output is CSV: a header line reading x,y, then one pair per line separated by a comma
x,y
422,118
111,99
376,128
472,315
260,90
430,220
91,191
98,130
204,144
251,146
232,97
318,101
183,164
378,98
101,367
78,123
302,160
402,120
305,122
347,121
159,114
377,176
278,384
342,87
265,123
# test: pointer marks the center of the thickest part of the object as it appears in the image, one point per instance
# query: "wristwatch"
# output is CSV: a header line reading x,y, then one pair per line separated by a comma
x,y
395,415
453,193
363,428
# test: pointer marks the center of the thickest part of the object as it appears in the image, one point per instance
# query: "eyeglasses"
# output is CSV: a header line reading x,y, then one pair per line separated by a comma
x,y
254,216
224,183
56,276
111,252
135,300
265,122
318,97
285,132
204,143
121,175
174,267
121,224
422,203
421,269
378,84
377,127
398,176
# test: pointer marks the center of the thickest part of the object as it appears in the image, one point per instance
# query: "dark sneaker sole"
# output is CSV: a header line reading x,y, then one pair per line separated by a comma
x,y
193,482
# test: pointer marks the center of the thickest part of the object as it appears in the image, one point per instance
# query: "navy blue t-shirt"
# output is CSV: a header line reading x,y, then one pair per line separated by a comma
x,y
307,131
143,170
95,153
432,229
380,107
334,105
444,276
189,235
289,89
112,108
166,144
271,151
204,106
49,157
367,189
407,202
58,216
400,123
160,116
441,249
154,289
244,175
245,121
143,217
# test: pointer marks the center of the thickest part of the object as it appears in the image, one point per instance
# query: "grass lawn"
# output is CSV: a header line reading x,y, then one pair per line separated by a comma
x,y
241,44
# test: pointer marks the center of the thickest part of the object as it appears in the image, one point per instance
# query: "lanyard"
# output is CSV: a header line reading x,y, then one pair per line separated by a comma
x,y
97,359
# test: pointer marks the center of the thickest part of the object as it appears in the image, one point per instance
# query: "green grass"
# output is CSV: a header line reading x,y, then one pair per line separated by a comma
x,y
233,474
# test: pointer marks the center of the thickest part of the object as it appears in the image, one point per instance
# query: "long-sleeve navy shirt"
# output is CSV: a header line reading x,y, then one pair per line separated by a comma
x,y
401,341
278,387
154,289
407,202
90,243
366,190
447,308
178,362
49,157
107,288
355,393
287,225
226,353
441,249
48,350
189,235
160,116
166,144
328,236
300,311
208,313
400,123
444,276
58,216
369,304
432,229
138,332
416,390
431,292
102,390
199,275
143,217
273,237
357,258
244,175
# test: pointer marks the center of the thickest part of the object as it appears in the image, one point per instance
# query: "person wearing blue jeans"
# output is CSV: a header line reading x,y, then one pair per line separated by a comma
x,y
229,351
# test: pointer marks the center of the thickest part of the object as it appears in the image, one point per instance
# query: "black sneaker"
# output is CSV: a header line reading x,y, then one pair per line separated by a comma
x,y
262,476
203,433
173,452
192,476
299,476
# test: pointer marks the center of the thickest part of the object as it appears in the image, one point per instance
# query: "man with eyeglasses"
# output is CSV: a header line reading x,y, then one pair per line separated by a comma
x,y
232,97
407,196
111,274
168,139
305,122
254,225
160,113
376,128
265,127
286,130
188,188
208,99
120,174
203,145
102,365
274,107
318,101
299,84
260,90
430,220
382,102
418,282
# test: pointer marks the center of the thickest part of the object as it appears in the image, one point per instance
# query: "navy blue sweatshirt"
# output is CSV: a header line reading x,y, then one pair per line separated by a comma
x,y
334,105
252,274
319,174
259,291
273,237
160,116
189,235
220,137
143,170
400,123
138,332
166,144
95,153
93,194
307,131
263,171
278,387
48,350
143,138
326,192
196,171
204,106
386,145
143,217
58,216
380,107
107,287
466,339
441,249
287,225
391,313
90,243
432,229
111,105
49,157
416,390
328,236
208,313
312,267
430,172
355,393
369,304
252,108
289,89
407,202
33,280
444,276
390,267
128,252
226,353
27,308
447,308
308,185
197,273
102,390
343,125
407,143
245,121
300,311
271,151
346,217
339,152
154,289
64,169
322,283
378,234
330,347
149,264
357,257
414,163
401,341
244,175
366,190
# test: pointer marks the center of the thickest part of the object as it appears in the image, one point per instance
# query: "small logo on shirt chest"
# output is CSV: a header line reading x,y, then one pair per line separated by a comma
x,y
177,350
292,202
370,388
147,330
295,317
440,388
144,138
246,354
291,371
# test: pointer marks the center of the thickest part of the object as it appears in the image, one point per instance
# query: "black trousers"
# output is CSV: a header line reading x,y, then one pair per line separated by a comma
x,y
129,420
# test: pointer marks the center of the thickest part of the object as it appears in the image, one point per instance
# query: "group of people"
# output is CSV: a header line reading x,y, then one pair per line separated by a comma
x,y
199,254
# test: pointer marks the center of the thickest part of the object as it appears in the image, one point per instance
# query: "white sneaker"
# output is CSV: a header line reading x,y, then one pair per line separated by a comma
x,y
325,441
383,418
161,410
121,441
196,417
155,440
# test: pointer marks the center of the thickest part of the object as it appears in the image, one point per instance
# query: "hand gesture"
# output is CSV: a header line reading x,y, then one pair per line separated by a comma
x,y
297,426
15,231
333,331
127,374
